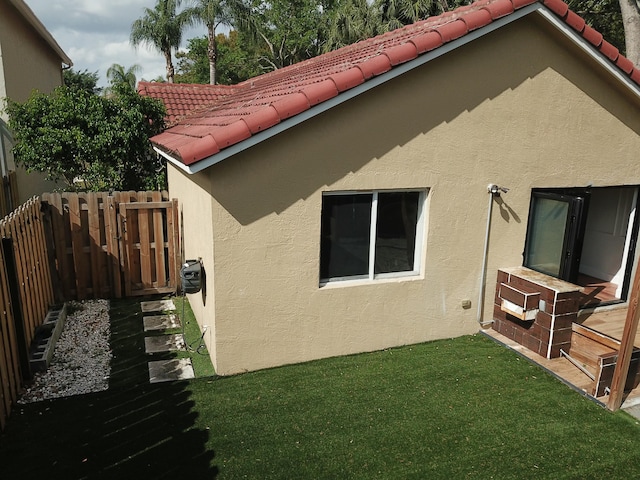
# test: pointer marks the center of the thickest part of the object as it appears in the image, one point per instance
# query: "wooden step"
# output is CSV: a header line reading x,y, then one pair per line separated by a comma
x,y
598,353
588,350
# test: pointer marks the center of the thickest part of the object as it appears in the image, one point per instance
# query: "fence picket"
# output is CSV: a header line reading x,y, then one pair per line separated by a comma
x,y
91,241
93,220
30,286
113,250
9,364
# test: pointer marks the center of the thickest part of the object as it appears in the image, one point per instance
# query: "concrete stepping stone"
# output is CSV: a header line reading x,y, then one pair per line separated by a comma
x,y
158,306
160,322
165,371
164,343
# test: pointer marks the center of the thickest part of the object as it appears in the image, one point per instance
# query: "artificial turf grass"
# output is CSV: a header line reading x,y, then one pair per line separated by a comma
x,y
462,408
197,350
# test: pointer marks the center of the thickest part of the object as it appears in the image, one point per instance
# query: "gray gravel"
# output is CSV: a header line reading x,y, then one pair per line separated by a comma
x,y
82,356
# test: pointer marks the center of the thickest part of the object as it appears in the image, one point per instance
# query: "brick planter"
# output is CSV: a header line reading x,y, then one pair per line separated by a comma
x,y
535,310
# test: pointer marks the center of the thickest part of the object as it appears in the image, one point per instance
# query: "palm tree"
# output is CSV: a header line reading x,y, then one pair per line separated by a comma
x,y
353,21
213,13
396,13
119,77
161,28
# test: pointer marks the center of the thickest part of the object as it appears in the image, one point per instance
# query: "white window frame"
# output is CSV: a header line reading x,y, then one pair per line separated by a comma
x,y
419,239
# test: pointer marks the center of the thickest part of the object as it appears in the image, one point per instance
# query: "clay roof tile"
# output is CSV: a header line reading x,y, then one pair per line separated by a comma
x,y
209,118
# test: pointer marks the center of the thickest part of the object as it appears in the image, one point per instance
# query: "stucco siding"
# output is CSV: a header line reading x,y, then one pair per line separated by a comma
x,y
520,107
196,227
27,63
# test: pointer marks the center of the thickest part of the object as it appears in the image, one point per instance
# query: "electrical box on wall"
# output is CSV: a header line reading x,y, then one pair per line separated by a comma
x,y
191,276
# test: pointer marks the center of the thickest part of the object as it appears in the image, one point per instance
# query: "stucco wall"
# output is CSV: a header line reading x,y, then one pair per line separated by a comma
x,y
27,63
515,108
197,227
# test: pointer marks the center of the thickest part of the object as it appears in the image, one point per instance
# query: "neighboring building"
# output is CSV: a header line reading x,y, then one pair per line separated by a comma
x,y
30,59
343,204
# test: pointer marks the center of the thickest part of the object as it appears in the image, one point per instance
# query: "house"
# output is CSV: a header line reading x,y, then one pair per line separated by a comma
x,y
30,59
368,197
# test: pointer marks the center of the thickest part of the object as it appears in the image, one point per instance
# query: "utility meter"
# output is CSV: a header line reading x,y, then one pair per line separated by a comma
x,y
191,276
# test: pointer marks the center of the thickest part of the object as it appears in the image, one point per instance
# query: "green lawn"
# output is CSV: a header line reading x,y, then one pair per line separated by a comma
x,y
462,408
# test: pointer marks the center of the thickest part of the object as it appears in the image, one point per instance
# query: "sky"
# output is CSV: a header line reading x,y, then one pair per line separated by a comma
x,y
95,34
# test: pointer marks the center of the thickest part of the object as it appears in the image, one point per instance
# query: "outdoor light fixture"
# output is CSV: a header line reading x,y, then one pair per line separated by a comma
x,y
496,189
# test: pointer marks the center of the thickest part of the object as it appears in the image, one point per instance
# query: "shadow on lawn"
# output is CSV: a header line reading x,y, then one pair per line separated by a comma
x,y
133,429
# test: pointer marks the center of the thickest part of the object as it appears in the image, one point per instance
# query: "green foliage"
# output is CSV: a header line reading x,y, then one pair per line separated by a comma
x,y
119,76
236,60
84,80
193,65
161,28
604,16
353,21
291,30
89,141
396,13
213,13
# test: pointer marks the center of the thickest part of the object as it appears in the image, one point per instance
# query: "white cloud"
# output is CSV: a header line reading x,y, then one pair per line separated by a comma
x,y
95,34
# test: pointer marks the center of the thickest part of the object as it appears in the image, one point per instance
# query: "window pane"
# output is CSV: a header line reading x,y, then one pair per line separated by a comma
x,y
346,223
546,235
396,231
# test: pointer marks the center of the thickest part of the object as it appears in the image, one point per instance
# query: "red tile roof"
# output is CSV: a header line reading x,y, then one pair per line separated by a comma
x,y
181,99
230,115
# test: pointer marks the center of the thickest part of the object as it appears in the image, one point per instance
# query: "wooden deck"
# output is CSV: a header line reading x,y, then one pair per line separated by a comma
x,y
596,291
610,322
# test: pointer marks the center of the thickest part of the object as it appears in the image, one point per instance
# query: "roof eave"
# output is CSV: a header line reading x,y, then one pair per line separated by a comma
x,y
593,52
38,26
400,70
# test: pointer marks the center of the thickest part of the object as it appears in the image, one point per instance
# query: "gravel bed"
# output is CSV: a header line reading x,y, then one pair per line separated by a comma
x,y
81,358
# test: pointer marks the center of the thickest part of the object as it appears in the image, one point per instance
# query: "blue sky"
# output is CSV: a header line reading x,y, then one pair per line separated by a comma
x,y
95,34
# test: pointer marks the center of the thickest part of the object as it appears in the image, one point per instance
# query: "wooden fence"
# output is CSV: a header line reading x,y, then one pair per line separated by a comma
x,y
25,294
78,246
8,194
114,245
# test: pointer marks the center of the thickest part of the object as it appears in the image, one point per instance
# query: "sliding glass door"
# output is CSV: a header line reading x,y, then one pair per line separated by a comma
x,y
554,232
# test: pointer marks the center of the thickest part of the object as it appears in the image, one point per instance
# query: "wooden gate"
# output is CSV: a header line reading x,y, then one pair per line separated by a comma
x,y
112,244
149,237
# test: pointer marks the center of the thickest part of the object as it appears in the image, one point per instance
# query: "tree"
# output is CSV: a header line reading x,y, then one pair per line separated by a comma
x,y
161,28
193,64
353,21
236,60
212,14
72,134
84,80
604,16
630,11
396,13
117,75
292,30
